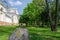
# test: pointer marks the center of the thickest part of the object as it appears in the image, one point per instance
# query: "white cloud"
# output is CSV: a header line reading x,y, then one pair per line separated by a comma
x,y
16,3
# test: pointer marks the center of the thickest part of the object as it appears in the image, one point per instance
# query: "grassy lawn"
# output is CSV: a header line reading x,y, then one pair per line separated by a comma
x,y
43,34
35,33
5,32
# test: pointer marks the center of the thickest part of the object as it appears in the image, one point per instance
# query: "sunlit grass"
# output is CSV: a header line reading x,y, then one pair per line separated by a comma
x,y
5,31
43,34
35,33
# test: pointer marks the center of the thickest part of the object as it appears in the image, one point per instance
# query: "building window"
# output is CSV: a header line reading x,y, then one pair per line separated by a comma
x,y
1,9
15,18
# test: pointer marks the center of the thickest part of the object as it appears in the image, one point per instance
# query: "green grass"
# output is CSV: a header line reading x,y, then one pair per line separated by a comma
x,y
5,32
43,34
35,33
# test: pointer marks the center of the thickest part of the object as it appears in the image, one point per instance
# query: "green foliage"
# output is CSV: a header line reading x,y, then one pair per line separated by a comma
x,y
36,13
32,13
35,33
5,32
43,34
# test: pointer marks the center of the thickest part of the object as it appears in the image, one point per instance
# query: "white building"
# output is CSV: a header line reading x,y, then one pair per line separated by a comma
x,y
8,17
13,13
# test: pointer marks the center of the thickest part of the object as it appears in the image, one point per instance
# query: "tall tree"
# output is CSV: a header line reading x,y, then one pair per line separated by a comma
x,y
56,16
53,26
49,12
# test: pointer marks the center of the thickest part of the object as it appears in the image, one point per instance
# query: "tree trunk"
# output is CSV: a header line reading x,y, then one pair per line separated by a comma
x,y
56,16
50,17
43,23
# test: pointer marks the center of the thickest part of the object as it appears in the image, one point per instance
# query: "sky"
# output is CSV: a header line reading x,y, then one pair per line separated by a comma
x,y
18,4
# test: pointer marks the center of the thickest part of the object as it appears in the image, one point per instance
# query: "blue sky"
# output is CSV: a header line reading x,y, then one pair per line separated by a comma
x,y
19,4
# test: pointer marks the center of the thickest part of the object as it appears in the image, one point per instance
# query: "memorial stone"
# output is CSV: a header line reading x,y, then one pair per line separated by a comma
x,y
19,34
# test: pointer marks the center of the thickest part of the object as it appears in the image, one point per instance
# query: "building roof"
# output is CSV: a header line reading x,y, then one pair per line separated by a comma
x,y
3,4
13,11
10,11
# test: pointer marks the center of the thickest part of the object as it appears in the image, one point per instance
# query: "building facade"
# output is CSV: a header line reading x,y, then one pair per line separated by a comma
x,y
8,16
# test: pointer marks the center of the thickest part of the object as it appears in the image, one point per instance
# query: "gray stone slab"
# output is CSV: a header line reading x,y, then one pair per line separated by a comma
x,y
19,34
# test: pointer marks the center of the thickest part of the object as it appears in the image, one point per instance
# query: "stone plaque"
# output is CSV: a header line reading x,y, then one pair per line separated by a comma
x,y
20,34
